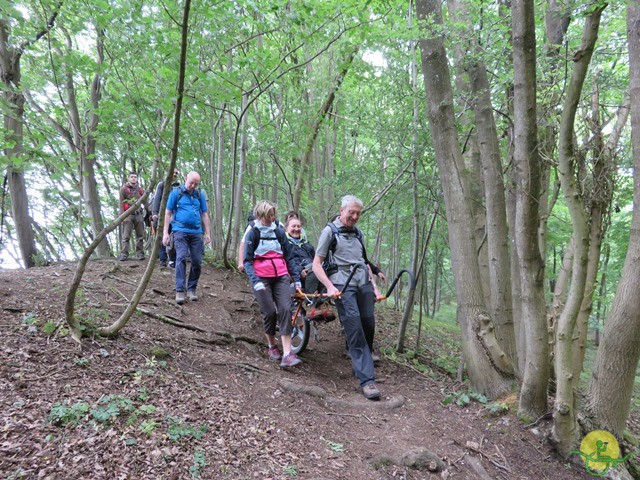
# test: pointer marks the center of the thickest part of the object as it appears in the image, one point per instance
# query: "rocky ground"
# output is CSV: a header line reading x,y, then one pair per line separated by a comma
x,y
197,397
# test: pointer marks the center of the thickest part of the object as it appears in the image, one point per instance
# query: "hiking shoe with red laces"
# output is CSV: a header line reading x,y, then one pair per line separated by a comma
x,y
274,353
371,392
291,360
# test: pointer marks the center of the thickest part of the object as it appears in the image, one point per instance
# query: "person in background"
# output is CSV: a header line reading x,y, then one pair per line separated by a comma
x,y
186,213
130,192
356,304
155,210
269,266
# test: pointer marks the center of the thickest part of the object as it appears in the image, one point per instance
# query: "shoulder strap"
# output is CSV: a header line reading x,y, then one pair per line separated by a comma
x,y
359,236
182,193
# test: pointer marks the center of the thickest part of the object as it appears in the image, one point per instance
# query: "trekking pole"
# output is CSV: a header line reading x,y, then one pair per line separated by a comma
x,y
354,267
393,285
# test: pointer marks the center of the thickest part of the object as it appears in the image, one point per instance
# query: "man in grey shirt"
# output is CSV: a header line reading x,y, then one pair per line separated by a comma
x,y
355,305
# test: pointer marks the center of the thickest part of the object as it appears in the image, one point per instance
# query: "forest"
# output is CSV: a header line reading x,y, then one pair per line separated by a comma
x,y
495,146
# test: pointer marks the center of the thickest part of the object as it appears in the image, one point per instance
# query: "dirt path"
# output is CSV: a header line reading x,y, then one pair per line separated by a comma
x,y
163,402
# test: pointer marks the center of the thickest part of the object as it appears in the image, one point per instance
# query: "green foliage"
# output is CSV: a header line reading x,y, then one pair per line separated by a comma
x,y
463,399
334,446
497,408
49,327
178,430
61,414
111,407
148,426
29,318
291,470
82,362
199,462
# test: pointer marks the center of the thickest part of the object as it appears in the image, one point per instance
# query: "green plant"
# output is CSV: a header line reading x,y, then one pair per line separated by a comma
x,y
112,406
178,430
49,327
336,447
463,399
81,361
198,462
68,414
497,408
29,318
291,470
148,426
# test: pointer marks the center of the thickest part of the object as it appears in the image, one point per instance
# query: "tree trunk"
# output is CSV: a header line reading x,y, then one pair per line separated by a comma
x,y
488,367
13,122
565,427
610,388
497,232
601,196
527,163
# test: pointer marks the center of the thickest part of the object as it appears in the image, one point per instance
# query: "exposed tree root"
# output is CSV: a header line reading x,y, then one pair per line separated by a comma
x,y
320,394
171,321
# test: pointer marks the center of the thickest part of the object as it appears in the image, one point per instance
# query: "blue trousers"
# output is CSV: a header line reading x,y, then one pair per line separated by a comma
x,y
188,244
355,309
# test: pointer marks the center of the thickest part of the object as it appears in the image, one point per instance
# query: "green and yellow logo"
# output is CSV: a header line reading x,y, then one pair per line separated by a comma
x,y
600,452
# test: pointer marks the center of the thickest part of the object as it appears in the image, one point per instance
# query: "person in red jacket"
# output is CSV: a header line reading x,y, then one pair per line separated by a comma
x,y
129,194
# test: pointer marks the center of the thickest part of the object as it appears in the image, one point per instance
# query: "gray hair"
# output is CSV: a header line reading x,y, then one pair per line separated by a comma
x,y
349,199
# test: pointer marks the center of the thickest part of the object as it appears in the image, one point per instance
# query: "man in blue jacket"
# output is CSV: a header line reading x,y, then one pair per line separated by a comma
x,y
187,214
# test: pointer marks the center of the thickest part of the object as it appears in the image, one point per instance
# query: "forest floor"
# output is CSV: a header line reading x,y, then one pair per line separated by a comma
x,y
163,401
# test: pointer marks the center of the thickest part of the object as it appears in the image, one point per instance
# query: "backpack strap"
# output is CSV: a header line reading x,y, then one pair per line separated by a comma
x,y
358,234
279,232
182,193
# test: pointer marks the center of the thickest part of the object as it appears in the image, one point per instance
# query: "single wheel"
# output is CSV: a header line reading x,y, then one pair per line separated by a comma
x,y
300,334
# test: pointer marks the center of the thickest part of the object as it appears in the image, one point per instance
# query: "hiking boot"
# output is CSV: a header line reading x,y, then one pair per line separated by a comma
x,y
371,392
291,360
274,353
123,257
179,298
375,357
140,256
172,264
191,294
163,263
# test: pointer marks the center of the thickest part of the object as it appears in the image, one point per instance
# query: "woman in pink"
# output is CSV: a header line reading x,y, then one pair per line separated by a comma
x,y
268,262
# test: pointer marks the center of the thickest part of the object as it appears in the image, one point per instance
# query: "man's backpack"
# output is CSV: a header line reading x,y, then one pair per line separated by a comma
x,y
329,265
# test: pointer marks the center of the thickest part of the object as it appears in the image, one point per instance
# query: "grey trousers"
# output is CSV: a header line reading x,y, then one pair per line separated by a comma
x,y
356,311
133,223
275,304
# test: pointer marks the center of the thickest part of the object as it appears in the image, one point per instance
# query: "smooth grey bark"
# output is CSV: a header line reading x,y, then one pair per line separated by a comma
x,y
565,426
610,388
497,231
488,367
527,166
